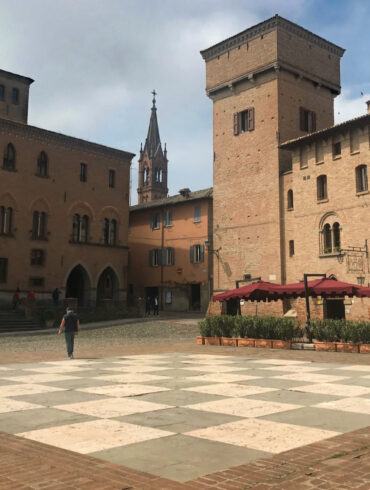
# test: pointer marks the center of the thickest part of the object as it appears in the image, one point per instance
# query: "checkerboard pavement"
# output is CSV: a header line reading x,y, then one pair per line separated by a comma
x,y
182,416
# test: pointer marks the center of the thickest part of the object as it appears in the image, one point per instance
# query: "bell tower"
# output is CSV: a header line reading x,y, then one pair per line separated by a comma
x,y
152,163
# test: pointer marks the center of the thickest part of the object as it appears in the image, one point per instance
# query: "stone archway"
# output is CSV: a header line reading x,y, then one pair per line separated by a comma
x,y
108,286
78,285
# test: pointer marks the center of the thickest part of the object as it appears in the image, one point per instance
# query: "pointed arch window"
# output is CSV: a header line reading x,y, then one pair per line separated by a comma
x,y
9,157
146,175
290,199
331,238
6,220
39,226
110,231
80,228
42,165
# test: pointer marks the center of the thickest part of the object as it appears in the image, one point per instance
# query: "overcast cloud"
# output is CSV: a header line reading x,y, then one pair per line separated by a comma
x,y
95,63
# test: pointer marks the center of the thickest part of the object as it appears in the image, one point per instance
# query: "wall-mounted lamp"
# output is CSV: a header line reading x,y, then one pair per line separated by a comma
x,y
215,251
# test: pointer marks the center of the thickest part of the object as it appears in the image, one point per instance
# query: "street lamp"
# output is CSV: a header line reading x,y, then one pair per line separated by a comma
x,y
215,251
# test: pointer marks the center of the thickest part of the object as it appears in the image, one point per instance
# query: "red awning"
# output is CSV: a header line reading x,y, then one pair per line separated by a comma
x,y
267,291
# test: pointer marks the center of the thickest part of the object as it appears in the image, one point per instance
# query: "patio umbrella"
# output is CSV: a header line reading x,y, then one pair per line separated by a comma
x,y
322,287
259,290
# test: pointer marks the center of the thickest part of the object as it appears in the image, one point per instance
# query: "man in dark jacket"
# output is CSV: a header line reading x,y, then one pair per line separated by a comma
x,y
71,324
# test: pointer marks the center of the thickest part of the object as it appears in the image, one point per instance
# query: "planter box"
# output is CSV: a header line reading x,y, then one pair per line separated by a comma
x,y
326,346
246,342
347,347
263,343
200,340
281,344
212,340
364,348
229,341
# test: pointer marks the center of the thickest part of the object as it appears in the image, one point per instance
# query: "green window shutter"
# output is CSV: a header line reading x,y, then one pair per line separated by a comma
x,y
164,218
172,256
170,218
192,254
151,221
201,258
251,119
162,256
151,257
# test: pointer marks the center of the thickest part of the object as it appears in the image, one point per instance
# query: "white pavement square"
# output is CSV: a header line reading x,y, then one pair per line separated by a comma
x,y
355,405
233,390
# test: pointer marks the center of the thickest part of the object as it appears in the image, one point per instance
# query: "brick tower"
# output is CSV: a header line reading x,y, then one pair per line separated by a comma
x,y
152,163
270,83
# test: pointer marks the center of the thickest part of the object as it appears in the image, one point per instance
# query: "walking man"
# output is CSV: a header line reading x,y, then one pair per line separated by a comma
x,y
71,324
156,306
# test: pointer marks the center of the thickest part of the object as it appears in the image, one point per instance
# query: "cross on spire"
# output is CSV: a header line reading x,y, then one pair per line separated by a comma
x,y
154,94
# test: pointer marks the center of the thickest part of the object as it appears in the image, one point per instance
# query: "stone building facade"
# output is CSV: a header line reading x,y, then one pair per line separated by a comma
x,y
273,83
64,205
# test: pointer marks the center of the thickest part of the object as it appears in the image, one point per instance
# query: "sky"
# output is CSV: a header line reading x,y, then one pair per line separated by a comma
x,y
96,62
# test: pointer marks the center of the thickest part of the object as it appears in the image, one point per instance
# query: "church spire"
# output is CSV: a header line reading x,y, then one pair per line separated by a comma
x,y
153,141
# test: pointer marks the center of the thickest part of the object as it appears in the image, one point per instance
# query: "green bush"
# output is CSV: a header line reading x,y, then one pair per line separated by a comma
x,y
340,331
257,327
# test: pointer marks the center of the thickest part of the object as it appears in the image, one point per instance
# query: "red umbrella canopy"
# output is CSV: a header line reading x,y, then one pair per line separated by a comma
x,y
322,287
254,290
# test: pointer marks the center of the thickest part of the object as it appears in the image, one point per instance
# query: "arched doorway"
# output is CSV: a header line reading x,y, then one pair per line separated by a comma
x,y
78,284
108,286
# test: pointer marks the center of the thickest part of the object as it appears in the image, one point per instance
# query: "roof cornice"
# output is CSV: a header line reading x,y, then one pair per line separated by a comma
x,y
33,132
263,27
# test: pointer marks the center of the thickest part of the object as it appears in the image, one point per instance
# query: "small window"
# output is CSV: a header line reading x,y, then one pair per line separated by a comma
x,y
155,221
361,178
9,157
291,248
146,176
290,199
322,191
37,282
83,172
303,156
106,231
197,214
3,270
113,232
196,254
354,139
167,217
37,257
307,120
42,165
2,92
319,152
112,178
154,257
15,95
168,256
337,149
244,121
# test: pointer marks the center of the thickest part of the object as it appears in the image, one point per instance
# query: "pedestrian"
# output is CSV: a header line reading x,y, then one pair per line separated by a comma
x,y
31,294
156,306
71,324
147,306
15,300
55,296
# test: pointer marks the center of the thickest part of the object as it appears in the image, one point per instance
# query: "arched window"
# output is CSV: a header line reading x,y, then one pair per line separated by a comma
x,y
106,231
75,227
39,225
9,157
146,176
84,229
336,237
113,232
290,199
6,218
322,188
361,178
327,239
42,165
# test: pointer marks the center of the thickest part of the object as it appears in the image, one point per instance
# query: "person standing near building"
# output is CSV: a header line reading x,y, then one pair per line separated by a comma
x,y
156,306
55,296
71,324
16,298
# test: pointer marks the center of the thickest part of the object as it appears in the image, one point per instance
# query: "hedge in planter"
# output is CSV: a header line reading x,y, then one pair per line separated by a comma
x,y
254,327
341,331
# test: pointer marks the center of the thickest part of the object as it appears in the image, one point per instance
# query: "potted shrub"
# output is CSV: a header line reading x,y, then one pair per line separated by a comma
x,y
348,335
325,334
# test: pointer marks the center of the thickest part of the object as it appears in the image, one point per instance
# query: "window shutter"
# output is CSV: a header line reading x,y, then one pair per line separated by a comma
x,y
163,256
358,179
301,119
192,254
164,218
151,257
366,184
325,187
169,223
251,119
313,121
151,221
236,123
201,258
172,255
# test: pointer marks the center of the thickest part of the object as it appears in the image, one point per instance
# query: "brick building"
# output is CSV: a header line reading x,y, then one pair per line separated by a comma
x,y
290,189
64,205
170,238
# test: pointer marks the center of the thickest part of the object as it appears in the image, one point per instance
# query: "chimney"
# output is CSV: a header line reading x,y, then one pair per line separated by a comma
x,y
185,192
368,106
